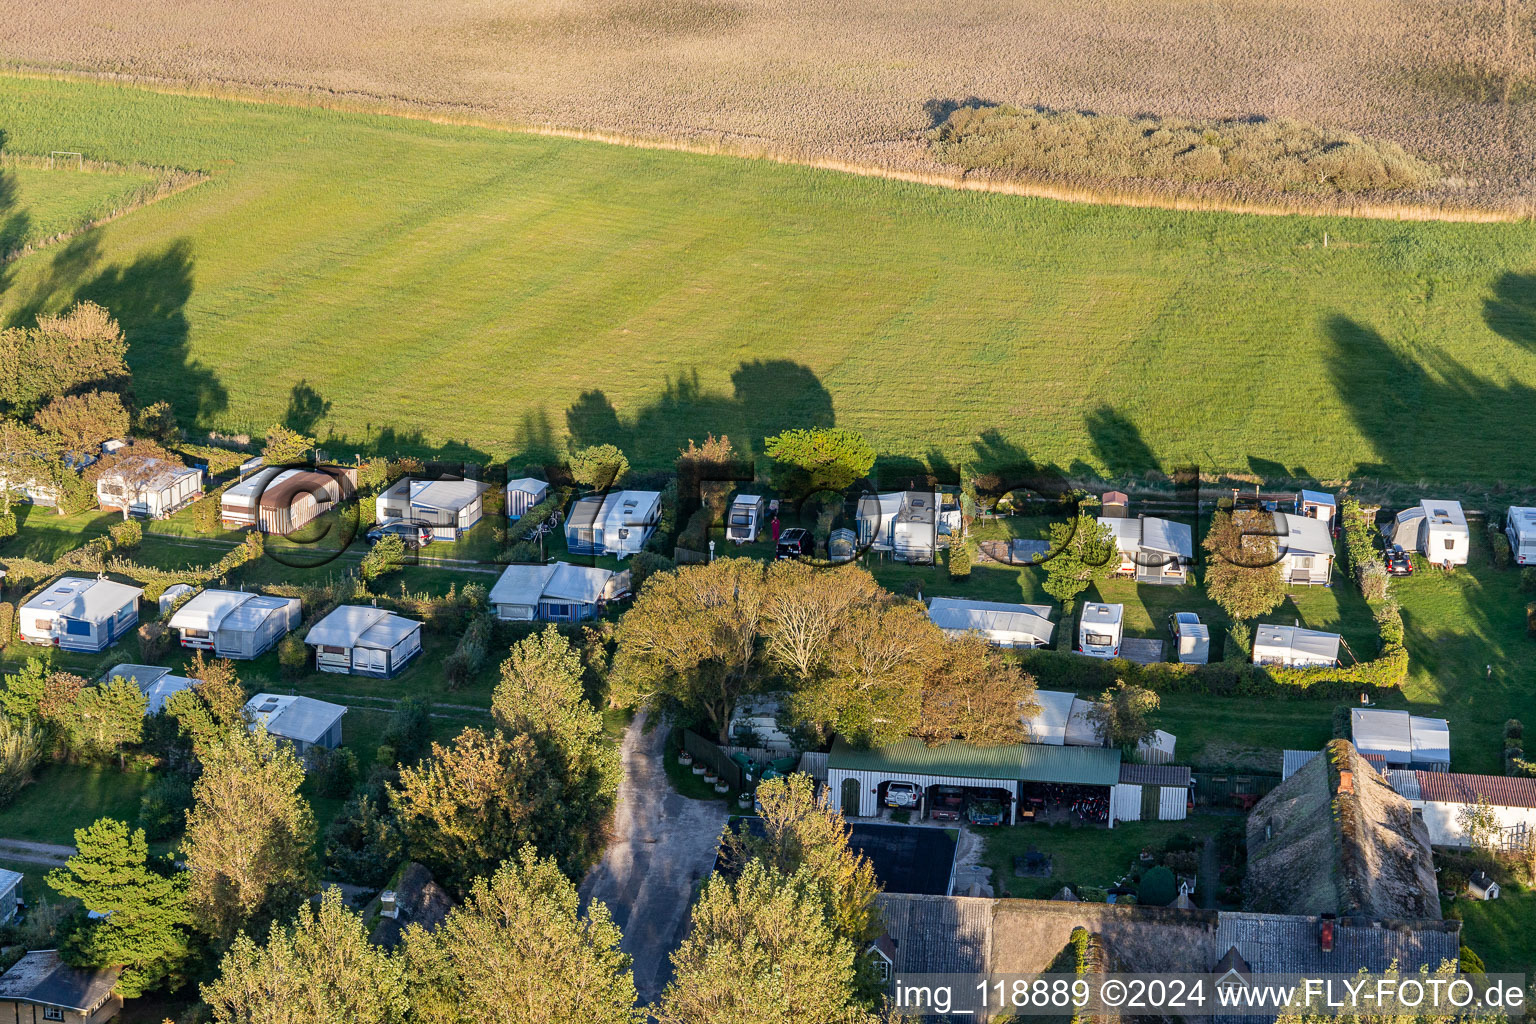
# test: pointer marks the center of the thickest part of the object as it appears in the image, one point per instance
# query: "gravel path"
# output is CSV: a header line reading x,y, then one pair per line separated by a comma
x,y
28,852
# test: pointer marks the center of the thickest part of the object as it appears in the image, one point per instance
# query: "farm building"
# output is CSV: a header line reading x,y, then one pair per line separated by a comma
x,y
904,524
1319,505
234,623
1006,625
156,683
42,987
1306,549
1292,761
361,640
1152,550
78,614
301,721
556,592
1294,646
280,501
449,507
1402,740
148,488
1440,797
616,523
1436,529
1520,527
1152,792
522,494
1100,629
1191,639
745,518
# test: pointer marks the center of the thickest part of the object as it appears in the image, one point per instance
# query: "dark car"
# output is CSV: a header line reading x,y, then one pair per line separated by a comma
x,y
948,804
1398,561
414,535
796,543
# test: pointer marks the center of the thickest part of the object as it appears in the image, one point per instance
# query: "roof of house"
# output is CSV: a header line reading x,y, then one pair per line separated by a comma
x,y
1079,766
579,584
1405,781
521,584
1049,724
208,610
1288,944
1296,639
93,600
936,934
1302,535
1456,788
42,977
1401,737
911,756
448,495
303,719
529,484
10,880
959,615
1154,775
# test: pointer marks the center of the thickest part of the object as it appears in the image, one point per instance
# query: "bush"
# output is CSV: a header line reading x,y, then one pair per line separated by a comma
x,y
7,623
1158,888
1341,721
126,534
1471,963
409,730
1389,623
7,524
334,771
21,747
293,656
205,513
1236,650
1374,582
1528,579
1499,542
361,846
1514,729
1365,565
163,807
959,558
646,564
468,658
156,641
384,557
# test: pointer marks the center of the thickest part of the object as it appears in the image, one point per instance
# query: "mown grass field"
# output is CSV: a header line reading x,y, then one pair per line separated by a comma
x,y
39,203
414,287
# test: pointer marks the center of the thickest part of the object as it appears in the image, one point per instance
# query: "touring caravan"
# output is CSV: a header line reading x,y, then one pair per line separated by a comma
x,y
745,518
1521,530
1099,630
235,624
1435,529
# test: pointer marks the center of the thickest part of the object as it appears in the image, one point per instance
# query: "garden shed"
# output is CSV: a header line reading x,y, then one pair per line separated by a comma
x,y
523,494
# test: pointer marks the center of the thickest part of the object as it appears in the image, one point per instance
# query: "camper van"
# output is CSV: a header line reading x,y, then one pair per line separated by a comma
x,y
1099,630
745,518
1521,530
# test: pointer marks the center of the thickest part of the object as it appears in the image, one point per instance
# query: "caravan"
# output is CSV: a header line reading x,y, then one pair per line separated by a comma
x,y
1437,530
1521,530
1099,631
745,518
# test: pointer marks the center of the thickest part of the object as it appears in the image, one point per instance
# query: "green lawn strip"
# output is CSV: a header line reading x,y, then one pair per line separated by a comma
x,y
1083,855
1502,931
65,797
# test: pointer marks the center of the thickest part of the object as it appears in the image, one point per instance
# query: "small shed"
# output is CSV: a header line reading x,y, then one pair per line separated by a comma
x,y
1481,887
235,624
156,683
1006,625
147,487
1100,629
362,640
172,594
1152,792
745,518
522,494
80,614
1191,639
1116,505
1319,505
301,721
1294,646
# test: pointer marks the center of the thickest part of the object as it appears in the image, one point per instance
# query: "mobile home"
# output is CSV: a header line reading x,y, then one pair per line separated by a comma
x,y
449,507
1402,740
361,640
301,721
77,614
903,523
523,494
1099,631
615,523
1006,625
557,592
1435,529
235,624
1152,550
745,518
1306,549
1520,527
147,487
1293,646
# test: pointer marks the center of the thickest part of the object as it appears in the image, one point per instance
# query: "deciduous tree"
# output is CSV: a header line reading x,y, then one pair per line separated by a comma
x,y
1083,551
213,706
79,348
805,608
1243,573
1122,715
975,695
599,466
82,422
284,445
819,459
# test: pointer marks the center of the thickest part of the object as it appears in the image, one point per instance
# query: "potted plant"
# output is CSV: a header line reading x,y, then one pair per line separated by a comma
x,y
711,776
744,801
700,769
722,787
684,758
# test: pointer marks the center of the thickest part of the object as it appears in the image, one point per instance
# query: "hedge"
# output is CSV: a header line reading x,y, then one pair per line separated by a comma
x,y
7,623
520,531
1365,566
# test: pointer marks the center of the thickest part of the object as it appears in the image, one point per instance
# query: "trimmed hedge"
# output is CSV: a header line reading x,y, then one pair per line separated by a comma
x,y
520,531
1365,565
7,623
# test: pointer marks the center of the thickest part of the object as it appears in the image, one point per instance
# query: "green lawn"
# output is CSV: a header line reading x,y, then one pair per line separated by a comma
x,y
65,797
1082,856
460,291
38,203
1502,931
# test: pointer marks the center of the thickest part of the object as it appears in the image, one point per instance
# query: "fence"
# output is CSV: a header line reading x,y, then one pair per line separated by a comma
x,y
1228,789
714,755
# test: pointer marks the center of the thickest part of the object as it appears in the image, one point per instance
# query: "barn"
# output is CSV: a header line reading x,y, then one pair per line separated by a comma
x,y
362,640
78,614
1440,798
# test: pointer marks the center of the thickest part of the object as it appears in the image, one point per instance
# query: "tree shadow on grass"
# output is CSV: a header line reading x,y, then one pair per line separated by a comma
x,y
1511,312
1119,445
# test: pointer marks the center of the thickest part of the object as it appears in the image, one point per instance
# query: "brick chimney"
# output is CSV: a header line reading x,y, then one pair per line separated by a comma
x,y
1346,781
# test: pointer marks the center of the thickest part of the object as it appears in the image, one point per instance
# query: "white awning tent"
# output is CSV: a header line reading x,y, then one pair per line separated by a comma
x,y
558,591
364,640
1006,625
235,623
1049,724
1294,646
86,614
1081,732
1401,739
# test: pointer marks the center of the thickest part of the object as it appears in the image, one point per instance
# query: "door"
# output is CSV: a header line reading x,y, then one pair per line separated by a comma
x,y
850,801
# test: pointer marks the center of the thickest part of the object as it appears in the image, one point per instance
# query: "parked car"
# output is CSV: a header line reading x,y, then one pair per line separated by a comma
x,y
948,804
986,812
795,543
902,794
1398,561
414,535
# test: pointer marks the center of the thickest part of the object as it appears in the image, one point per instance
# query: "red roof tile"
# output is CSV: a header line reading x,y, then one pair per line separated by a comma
x,y
1453,787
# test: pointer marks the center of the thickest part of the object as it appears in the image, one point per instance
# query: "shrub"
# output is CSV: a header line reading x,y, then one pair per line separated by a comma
x,y
646,564
1514,729
468,658
1374,582
409,730
126,534
1528,579
1500,544
334,771
1471,963
1365,565
1341,721
1236,651
599,466
21,747
205,513
384,557
164,805
7,524
292,656
156,641
695,536
1158,888
1389,623
7,623
959,558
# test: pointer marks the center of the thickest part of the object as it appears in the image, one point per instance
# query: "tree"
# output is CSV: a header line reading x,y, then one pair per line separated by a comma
x,y
540,695
22,745
1479,824
249,834
1083,552
158,421
213,706
82,422
689,643
23,690
285,446
108,717
76,349
320,969
472,804
1158,888
975,695
1121,715
384,557
761,949
1400,1004
819,459
805,608
1243,574
599,466
361,844
519,952
143,903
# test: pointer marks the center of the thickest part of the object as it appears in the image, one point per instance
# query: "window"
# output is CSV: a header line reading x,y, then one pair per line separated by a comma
x,y
1450,543
882,968
52,1013
1100,640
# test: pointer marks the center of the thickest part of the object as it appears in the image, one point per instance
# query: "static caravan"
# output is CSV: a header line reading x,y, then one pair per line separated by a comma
x,y
1100,630
157,684
235,624
1435,529
240,505
1306,549
903,523
1006,625
301,721
1319,505
449,507
294,497
147,487
1521,530
745,518
1294,647
1191,638
361,640
557,592
1402,740
523,494
76,614
1152,550
616,523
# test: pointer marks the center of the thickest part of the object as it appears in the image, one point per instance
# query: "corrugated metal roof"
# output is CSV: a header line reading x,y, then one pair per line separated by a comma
x,y
1293,761
1406,783
527,485
992,617
1399,737
1154,775
1431,739
957,759
1080,766
1167,537
1456,788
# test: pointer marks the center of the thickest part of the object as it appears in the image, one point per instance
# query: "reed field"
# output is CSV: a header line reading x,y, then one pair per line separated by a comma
x,y
1453,82
407,286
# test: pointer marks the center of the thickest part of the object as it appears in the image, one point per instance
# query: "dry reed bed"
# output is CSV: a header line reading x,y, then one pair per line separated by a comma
x,y
847,82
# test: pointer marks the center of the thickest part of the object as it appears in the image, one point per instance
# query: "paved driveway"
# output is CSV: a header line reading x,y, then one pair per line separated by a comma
x,y
663,845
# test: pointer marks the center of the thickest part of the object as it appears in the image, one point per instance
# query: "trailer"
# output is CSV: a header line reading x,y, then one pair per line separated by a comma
x,y
1100,630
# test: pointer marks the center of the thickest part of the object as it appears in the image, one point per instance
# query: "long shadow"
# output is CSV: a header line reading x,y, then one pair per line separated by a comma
x,y
306,408
1511,312
1118,443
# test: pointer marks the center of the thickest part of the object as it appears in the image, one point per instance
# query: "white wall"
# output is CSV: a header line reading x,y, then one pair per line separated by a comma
x,y
1445,829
